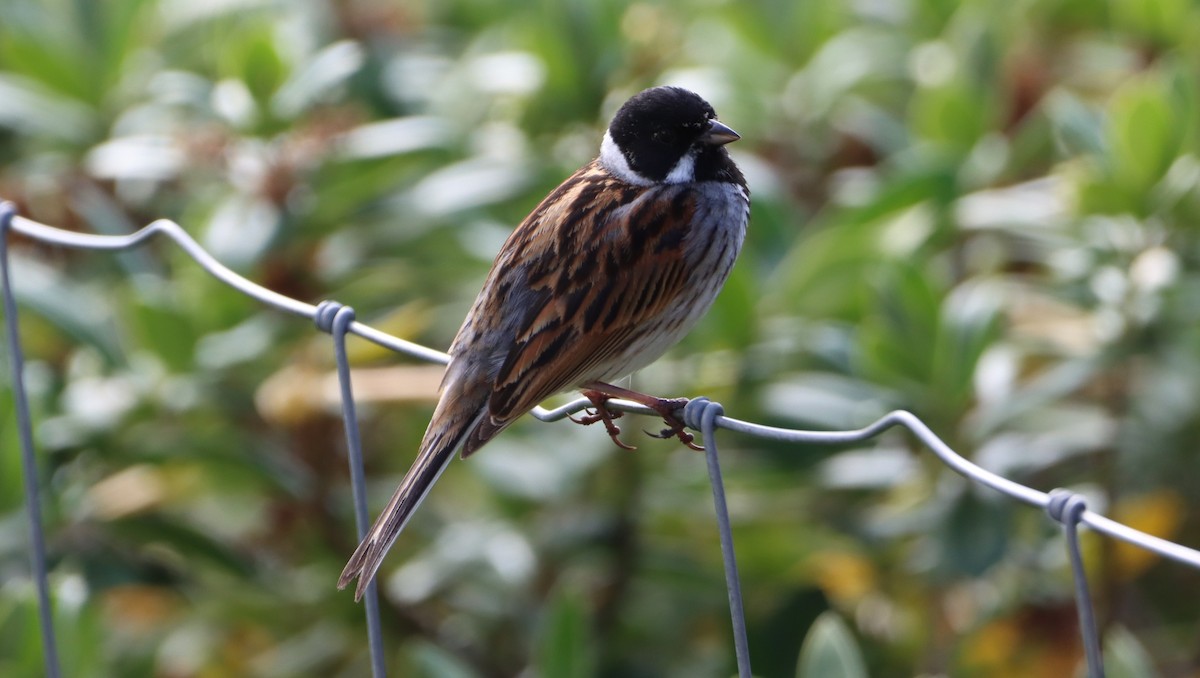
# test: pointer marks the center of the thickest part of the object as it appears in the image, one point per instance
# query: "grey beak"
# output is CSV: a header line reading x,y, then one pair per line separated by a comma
x,y
719,135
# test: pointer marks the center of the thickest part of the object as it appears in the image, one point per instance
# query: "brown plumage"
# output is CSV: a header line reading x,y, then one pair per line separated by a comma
x,y
612,268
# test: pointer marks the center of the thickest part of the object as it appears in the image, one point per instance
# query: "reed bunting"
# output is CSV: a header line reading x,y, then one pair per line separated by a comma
x,y
609,271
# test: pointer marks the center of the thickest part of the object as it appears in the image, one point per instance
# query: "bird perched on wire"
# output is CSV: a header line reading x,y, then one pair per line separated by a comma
x,y
610,270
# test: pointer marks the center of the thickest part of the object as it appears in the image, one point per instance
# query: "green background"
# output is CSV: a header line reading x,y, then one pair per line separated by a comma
x,y
984,212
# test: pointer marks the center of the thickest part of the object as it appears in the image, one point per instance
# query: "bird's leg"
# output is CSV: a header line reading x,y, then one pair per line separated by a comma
x,y
665,407
602,413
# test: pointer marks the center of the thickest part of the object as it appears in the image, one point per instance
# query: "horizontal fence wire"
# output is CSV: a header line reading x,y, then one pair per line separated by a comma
x,y
700,414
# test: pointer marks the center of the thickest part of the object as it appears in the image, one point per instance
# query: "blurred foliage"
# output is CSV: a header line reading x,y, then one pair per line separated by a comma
x,y
984,212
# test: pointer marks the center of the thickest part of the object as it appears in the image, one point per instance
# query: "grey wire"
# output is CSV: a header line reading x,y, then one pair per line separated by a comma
x,y
903,419
218,270
336,319
564,411
1067,508
33,502
701,414
965,468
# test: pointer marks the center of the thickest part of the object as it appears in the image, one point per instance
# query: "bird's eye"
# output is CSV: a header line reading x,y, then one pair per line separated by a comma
x,y
664,136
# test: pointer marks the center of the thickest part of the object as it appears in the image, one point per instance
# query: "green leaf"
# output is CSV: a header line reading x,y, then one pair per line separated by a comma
x,y
898,335
564,647
969,324
1161,21
830,651
1145,131
161,326
1125,657
422,659
12,489
257,62
1078,127
955,115
82,311
192,544
28,107
20,638
317,79
974,536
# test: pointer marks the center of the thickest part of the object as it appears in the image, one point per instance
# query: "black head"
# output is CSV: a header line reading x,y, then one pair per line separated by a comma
x,y
659,127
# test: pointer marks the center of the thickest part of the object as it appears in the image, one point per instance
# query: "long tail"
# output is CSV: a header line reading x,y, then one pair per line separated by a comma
x,y
449,426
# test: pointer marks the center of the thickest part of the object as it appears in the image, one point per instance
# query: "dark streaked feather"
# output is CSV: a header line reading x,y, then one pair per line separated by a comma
x,y
458,412
590,318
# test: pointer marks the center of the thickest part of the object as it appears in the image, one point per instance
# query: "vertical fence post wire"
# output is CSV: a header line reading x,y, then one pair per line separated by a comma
x,y
336,319
1067,508
33,505
708,412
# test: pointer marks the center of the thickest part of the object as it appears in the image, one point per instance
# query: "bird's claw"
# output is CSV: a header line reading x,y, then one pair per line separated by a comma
x,y
600,413
676,430
592,415
665,407
613,433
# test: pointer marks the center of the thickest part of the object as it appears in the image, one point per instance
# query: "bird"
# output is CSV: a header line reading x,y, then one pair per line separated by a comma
x,y
612,268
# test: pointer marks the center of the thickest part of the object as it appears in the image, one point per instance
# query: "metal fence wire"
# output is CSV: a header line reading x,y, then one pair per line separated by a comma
x,y
1063,506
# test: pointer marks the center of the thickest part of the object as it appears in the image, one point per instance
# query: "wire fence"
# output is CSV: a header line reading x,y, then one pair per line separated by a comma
x,y
700,414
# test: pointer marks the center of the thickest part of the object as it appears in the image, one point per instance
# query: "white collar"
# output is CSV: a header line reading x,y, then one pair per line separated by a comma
x,y
613,160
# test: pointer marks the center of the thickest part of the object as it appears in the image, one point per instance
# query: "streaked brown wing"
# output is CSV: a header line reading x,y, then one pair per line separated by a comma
x,y
613,270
